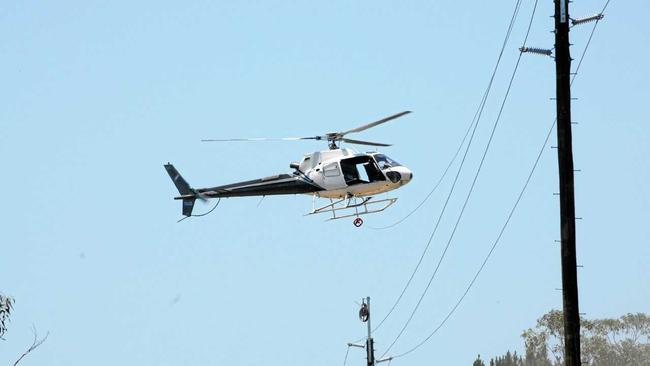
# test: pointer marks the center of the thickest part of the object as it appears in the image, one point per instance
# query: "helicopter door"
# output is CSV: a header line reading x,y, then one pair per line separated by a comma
x,y
360,169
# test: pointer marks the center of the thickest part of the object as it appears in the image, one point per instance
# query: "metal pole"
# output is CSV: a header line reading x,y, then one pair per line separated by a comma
x,y
370,343
567,202
369,327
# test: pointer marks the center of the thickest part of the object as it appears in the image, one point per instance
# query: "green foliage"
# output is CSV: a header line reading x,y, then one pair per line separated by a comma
x,y
604,342
623,342
6,306
536,349
478,361
509,359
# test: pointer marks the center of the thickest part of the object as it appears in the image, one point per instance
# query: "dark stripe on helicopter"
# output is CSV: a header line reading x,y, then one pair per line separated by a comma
x,y
274,185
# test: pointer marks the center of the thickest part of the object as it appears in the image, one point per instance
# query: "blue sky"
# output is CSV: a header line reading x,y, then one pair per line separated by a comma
x,y
98,95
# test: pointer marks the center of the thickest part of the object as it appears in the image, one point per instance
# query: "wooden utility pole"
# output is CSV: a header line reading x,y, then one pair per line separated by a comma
x,y
567,201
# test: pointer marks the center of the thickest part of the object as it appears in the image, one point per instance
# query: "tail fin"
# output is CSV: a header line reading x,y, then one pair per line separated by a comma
x,y
183,188
181,184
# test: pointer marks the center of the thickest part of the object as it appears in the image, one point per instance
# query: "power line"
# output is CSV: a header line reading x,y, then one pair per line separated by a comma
x,y
514,207
591,35
471,189
475,122
496,242
345,360
521,193
602,11
469,127
435,187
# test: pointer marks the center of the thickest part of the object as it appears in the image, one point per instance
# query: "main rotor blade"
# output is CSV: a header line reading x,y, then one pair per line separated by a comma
x,y
373,124
266,139
359,142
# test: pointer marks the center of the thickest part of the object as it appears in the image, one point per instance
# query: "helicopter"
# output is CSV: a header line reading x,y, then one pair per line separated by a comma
x,y
349,179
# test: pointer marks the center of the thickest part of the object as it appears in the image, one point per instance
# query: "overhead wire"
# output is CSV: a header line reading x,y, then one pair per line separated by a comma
x,y
497,240
345,360
548,135
474,124
512,211
435,187
453,158
469,127
471,189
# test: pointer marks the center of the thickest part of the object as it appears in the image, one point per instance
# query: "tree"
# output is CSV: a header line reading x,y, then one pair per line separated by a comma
x,y
478,361
6,306
536,349
624,341
35,344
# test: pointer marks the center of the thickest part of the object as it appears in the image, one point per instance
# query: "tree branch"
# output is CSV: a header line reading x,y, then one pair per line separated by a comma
x,y
35,344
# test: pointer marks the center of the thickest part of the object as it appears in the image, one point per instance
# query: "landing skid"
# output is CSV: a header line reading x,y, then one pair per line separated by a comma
x,y
350,207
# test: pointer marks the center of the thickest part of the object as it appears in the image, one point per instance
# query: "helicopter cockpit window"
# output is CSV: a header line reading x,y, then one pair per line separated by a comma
x,y
385,162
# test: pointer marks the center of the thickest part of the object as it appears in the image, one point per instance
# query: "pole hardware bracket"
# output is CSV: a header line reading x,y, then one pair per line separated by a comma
x,y
536,50
593,18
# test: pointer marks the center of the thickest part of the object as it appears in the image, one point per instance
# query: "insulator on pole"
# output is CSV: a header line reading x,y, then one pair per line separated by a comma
x,y
592,18
539,51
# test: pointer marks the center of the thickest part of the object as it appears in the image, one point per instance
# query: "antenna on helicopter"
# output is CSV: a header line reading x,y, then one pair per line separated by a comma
x,y
332,137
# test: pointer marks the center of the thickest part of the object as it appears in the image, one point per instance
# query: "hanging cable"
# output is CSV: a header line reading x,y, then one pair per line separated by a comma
x,y
203,214
435,187
511,213
471,189
474,124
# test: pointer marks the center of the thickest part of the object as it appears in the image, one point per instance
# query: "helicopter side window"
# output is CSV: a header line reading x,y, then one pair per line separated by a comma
x,y
331,170
385,162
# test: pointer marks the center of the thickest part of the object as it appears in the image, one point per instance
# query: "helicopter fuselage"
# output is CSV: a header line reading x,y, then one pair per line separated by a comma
x,y
345,173
335,173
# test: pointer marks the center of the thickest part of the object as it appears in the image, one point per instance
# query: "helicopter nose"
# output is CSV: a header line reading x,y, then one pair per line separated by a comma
x,y
407,175
401,175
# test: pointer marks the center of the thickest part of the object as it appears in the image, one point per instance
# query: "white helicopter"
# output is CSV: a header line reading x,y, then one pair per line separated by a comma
x,y
347,178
